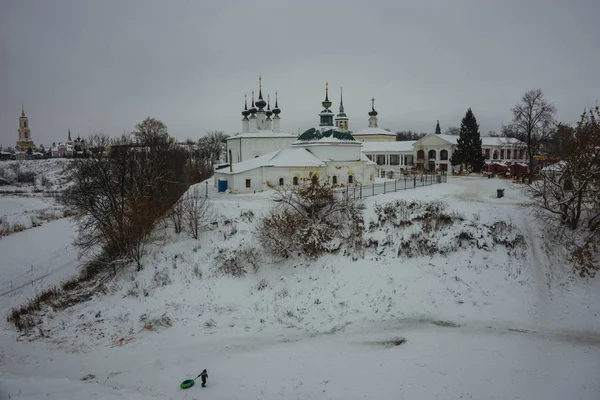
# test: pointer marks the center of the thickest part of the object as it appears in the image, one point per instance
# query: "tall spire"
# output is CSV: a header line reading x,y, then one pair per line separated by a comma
x,y
326,115
276,110
326,103
437,128
69,135
260,103
22,110
341,119
373,115
269,112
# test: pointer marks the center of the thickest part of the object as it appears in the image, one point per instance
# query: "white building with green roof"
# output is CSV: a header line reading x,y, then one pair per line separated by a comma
x,y
326,152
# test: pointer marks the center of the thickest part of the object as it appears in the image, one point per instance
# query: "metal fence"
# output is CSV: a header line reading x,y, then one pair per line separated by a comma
x,y
404,183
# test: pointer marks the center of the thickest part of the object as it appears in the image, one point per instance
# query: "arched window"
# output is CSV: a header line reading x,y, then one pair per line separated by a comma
x,y
280,181
350,178
295,181
431,155
420,155
495,154
334,180
444,155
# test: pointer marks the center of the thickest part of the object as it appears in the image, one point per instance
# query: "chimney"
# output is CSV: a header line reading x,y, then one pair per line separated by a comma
x,y
230,162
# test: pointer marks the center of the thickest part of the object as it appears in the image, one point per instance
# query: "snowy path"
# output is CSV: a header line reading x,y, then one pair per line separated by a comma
x,y
36,259
474,362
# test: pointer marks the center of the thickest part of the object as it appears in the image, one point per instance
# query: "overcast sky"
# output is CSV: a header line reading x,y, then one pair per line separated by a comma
x,y
104,65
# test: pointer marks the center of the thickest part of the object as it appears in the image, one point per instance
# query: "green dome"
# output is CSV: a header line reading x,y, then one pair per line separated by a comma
x,y
316,135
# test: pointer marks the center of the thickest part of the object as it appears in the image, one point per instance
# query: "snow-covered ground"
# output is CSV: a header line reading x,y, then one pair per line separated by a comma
x,y
48,175
479,322
18,213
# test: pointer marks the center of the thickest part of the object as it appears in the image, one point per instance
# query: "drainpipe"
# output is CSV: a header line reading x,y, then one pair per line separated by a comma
x,y
230,162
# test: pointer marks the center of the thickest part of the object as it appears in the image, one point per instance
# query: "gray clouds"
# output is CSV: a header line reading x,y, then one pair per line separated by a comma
x,y
106,65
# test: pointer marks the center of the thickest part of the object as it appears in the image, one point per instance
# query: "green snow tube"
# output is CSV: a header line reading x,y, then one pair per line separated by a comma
x,y
188,383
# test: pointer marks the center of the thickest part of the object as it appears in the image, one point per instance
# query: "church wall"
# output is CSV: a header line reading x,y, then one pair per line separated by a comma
x,y
253,147
362,172
335,153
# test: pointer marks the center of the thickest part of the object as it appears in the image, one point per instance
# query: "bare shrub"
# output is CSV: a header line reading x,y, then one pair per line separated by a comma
x,y
262,285
237,262
161,277
197,271
153,323
25,177
197,211
506,234
210,323
311,220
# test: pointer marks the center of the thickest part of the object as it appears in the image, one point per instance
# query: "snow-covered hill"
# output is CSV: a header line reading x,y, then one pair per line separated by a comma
x,y
33,175
486,308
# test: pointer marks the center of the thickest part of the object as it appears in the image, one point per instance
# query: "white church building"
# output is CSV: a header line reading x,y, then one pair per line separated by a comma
x,y
261,131
326,152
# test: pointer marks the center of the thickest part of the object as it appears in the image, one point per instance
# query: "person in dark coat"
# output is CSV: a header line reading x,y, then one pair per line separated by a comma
x,y
204,376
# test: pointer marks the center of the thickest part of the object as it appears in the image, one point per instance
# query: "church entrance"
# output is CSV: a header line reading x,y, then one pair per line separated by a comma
x,y
431,165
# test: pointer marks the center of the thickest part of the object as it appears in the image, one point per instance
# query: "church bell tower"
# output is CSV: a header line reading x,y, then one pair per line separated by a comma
x,y
24,142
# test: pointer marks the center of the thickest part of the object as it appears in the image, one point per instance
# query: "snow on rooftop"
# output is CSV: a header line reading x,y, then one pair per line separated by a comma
x,y
557,167
499,141
373,131
291,157
388,147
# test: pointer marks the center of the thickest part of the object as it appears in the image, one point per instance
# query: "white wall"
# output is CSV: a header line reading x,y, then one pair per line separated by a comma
x,y
252,147
260,178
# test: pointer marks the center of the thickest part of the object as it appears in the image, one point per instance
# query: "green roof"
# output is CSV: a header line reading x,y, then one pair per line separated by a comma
x,y
315,135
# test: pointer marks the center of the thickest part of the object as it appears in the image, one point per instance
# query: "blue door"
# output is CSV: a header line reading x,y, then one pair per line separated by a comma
x,y
222,185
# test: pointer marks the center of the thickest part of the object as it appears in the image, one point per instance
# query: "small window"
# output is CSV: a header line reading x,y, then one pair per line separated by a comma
x,y
508,154
350,178
248,183
295,181
487,153
394,159
280,181
502,154
334,180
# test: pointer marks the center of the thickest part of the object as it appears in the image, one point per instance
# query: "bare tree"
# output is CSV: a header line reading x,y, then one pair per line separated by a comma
x,y
177,214
568,195
493,134
452,130
198,211
212,146
533,123
123,188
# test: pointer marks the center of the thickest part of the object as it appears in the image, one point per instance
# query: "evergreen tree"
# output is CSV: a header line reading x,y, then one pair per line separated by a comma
x,y
438,131
468,151
29,151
